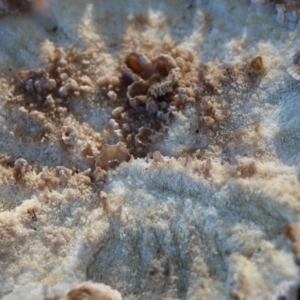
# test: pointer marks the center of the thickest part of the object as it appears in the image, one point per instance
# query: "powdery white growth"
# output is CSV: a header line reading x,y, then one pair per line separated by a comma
x,y
220,214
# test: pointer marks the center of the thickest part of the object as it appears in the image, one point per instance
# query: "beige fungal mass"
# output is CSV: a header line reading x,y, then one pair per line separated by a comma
x,y
111,156
69,135
93,291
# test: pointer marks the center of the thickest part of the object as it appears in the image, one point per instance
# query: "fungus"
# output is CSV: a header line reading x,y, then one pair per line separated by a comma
x,y
291,231
36,83
107,80
93,291
209,121
112,155
157,157
32,214
257,65
70,86
294,66
111,205
118,111
246,167
206,166
69,135
147,136
37,116
20,168
99,174
136,65
88,150
64,174
112,124
151,79
50,101
50,180
55,237
86,80
112,96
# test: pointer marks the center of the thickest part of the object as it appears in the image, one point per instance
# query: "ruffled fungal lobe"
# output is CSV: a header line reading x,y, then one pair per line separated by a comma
x,y
112,155
151,79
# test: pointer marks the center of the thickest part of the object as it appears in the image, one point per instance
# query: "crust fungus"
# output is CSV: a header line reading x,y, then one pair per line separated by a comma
x,y
36,82
32,214
147,136
291,231
256,65
55,82
111,205
20,168
93,291
136,66
157,157
294,66
70,86
99,175
112,96
69,135
151,78
64,174
111,156
88,150
246,167
49,180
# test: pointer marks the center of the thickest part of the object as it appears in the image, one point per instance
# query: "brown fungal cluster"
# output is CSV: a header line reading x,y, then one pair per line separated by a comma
x,y
142,99
149,86
20,168
42,96
55,80
32,214
291,231
93,291
151,79
111,156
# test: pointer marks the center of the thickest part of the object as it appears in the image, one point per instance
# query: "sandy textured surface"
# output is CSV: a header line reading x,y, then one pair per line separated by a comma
x,y
149,150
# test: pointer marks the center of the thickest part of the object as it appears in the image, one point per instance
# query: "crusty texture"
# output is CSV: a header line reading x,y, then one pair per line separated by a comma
x,y
149,146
